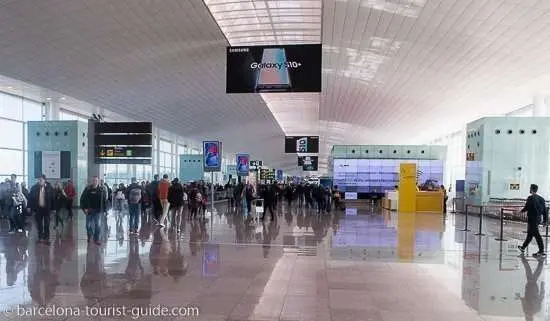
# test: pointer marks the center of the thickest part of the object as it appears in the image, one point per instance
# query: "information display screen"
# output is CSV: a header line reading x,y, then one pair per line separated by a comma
x,y
301,144
310,163
380,175
290,68
123,142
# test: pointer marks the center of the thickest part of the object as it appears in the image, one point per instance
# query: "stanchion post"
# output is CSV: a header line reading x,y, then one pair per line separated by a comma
x,y
480,221
501,237
466,229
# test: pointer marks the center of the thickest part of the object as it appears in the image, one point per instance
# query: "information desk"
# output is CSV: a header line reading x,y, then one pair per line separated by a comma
x,y
429,202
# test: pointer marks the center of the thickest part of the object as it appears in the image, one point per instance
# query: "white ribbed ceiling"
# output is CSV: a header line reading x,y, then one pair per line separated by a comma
x,y
394,71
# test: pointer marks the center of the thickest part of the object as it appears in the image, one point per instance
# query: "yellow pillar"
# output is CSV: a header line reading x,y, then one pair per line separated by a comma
x,y
406,236
407,188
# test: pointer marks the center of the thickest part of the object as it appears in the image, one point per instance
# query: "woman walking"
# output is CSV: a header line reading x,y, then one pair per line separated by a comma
x,y
60,203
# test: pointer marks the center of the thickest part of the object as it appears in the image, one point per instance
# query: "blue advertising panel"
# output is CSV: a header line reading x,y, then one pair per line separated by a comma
x,y
191,168
211,260
212,156
280,175
243,166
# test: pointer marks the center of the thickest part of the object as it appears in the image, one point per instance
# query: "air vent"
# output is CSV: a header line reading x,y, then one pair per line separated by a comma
x,y
421,152
497,131
534,132
37,134
353,151
56,134
380,151
394,151
408,152
521,131
47,133
510,132
66,133
367,151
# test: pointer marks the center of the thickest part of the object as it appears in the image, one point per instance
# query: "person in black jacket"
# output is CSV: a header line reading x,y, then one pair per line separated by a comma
x,y
92,203
535,208
41,203
269,200
175,198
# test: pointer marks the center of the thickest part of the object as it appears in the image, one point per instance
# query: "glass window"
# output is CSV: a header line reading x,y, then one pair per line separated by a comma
x,y
32,111
165,146
12,162
11,107
13,134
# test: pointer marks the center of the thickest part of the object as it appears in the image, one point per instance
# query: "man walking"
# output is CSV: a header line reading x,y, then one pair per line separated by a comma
x,y
134,205
92,203
162,193
41,203
535,208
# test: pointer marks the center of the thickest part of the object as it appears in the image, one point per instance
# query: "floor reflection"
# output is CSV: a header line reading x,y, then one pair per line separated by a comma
x,y
345,265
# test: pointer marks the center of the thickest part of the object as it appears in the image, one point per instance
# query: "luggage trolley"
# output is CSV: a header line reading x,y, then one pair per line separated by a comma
x,y
257,209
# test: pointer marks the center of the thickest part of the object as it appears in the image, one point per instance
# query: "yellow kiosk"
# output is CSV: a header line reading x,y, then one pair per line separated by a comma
x,y
412,201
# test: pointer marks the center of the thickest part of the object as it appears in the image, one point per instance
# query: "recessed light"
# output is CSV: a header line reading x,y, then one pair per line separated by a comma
x,y
48,98
10,87
63,98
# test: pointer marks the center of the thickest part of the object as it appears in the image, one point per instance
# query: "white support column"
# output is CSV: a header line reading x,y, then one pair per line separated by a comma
x,y
53,111
540,107
156,167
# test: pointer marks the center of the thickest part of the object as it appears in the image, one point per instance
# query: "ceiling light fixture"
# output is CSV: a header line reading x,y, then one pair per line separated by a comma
x,y
63,98
48,99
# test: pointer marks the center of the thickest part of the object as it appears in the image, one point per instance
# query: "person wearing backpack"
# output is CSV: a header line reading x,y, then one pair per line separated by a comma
x,y
135,192
175,198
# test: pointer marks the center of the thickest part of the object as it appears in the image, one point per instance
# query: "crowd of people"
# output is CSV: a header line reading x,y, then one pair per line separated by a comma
x,y
163,200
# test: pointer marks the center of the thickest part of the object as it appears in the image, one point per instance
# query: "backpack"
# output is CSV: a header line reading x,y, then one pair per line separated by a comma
x,y
134,197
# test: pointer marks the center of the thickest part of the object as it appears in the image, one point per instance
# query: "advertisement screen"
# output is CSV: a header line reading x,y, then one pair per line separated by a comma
x,y
301,144
290,68
243,164
380,175
212,158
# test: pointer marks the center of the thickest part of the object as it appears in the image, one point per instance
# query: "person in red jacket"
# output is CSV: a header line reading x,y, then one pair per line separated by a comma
x,y
162,192
70,191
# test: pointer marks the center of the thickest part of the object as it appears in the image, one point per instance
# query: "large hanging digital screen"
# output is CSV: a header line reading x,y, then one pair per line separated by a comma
x,y
380,175
301,144
289,68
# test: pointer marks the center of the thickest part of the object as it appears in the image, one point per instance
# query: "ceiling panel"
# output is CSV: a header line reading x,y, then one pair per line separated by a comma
x,y
394,71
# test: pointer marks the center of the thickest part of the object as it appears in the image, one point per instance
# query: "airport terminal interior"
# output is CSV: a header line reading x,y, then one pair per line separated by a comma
x,y
296,160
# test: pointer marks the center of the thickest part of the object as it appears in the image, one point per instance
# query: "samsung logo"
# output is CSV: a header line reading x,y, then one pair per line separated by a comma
x,y
233,50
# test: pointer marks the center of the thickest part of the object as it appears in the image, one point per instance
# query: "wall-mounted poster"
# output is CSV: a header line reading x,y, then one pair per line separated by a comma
x,y
242,164
51,164
290,68
212,156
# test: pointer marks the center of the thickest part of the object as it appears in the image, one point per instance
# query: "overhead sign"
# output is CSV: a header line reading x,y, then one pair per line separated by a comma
x,y
301,144
256,163
310,163
243,167
123,143
290,68
212,156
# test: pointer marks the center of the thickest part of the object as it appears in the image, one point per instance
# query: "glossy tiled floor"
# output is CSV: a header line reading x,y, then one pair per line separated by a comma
x,y
351,265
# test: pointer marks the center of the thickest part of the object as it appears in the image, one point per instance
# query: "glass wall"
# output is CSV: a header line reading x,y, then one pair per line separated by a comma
x,y
15,112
